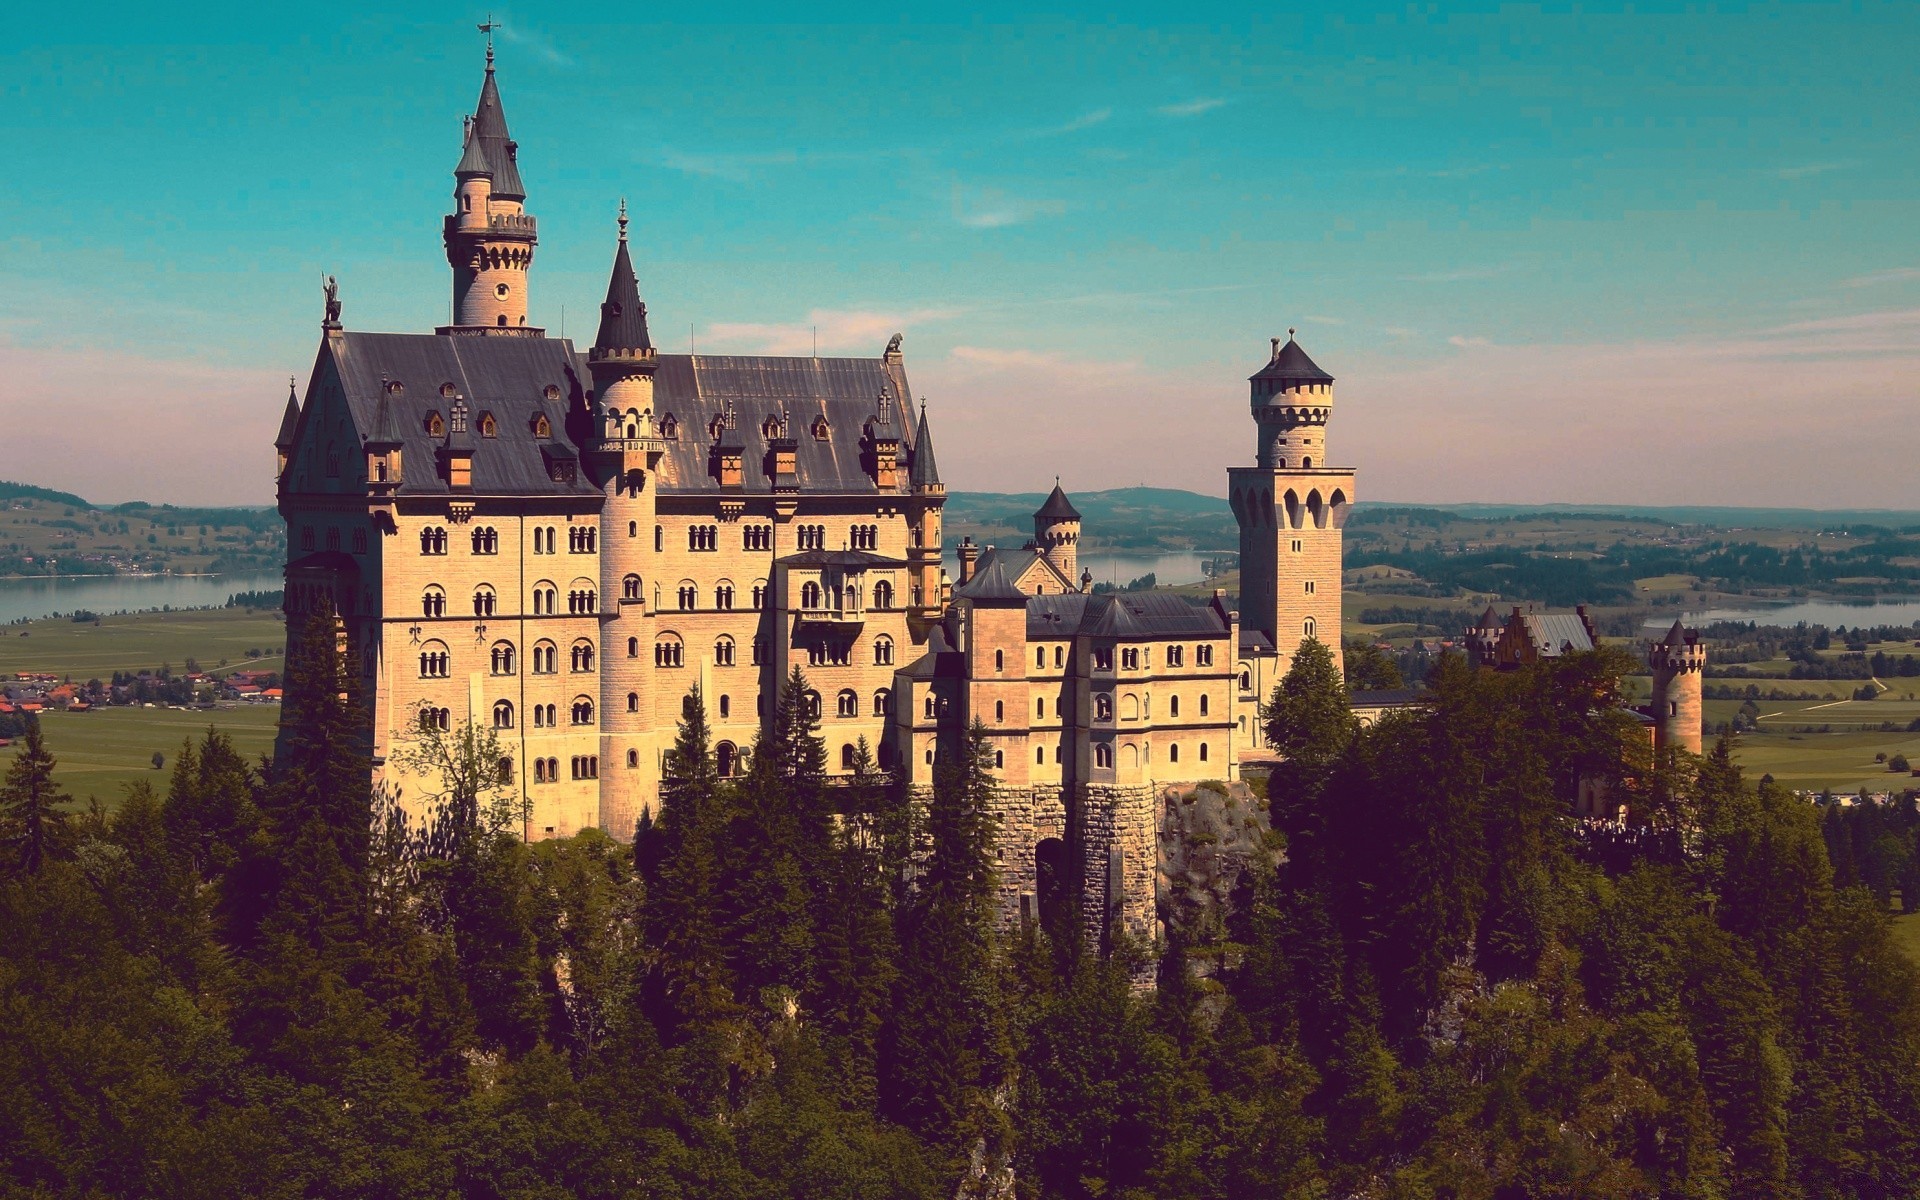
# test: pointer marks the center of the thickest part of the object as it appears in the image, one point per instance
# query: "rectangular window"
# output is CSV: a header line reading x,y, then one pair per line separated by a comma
x,y
1296,545
1309,587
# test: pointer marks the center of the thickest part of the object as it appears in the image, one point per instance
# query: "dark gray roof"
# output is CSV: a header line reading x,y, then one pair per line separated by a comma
x,y
1137,616
694,389
1677,636
289,421
506,376
473,160
1016,562
925,472
623,318
385,432
840,558
1388,698
1254,641
1290,364
940,661
1057,508
991,586
490,131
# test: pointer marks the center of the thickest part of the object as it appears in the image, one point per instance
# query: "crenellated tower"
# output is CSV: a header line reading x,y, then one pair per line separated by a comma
x,y
489,236
1291,505
621,458
1678,662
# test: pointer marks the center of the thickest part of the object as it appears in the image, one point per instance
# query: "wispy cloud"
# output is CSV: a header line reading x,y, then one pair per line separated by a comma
x,y
534,42
1807,170
1468,343
1877,278
1190,108
991,208
1098,116
862,330
736,168
1462,274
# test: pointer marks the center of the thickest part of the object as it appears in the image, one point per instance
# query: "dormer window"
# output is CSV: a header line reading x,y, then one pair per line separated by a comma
x,y
435,425
550,393
770,428
820,429
669,428
489,428
542,428
448,391
716,428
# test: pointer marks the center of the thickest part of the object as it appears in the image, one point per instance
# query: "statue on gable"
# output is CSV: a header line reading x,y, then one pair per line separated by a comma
x,y
332,288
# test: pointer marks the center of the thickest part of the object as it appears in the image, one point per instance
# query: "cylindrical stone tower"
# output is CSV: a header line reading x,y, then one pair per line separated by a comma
x,y
489,236
1056,533
1678,661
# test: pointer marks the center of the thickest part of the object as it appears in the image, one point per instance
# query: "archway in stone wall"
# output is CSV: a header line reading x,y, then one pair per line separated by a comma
x,y
1053,886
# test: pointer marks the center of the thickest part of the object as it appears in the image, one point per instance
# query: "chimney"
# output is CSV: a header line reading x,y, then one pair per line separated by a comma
x,y
969,553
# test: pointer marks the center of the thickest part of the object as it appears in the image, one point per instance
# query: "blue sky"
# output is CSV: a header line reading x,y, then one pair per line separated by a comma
x,y
1586,254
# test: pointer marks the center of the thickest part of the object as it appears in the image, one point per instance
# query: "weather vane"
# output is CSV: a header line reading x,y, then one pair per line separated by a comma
x,y
487,27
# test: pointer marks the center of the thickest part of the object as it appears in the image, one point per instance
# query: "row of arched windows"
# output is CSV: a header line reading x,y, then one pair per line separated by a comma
x,y
703,537
486,540
583,539
864,537
756,537
810,537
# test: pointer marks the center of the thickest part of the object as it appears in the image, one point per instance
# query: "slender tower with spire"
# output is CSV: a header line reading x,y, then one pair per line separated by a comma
x,y
1290,505
489,236
929,497
622,454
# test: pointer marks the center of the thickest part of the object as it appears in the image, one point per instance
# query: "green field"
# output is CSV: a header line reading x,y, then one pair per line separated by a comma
x,y
100,752
1906,934
136,640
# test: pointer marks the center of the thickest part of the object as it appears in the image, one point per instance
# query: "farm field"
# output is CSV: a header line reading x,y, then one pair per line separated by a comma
x,y
136,640
100,752
1840,761
1906,934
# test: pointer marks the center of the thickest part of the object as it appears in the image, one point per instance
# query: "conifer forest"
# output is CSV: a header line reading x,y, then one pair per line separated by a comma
x,y
261,980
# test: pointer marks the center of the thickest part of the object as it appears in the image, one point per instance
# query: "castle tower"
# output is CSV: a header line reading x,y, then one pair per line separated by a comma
x,y
621,457
289,431
1056,533
1290,506
1678,661
923,525
489,236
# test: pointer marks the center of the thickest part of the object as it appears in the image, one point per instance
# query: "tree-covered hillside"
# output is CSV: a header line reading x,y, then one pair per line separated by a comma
x,y
1436,983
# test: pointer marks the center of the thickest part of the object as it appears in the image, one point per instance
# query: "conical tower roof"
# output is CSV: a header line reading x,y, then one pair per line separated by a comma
x,y
1677,636
924,472
1057,508
289,421
623,318
1290,364
473,161
495,144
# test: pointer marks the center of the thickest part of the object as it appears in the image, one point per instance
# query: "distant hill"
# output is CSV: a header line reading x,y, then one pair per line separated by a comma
x,y
10,490
1135,518
48,532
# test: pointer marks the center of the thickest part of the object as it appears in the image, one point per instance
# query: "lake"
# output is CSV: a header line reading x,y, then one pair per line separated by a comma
x,y
1120,569
31,599
1831,613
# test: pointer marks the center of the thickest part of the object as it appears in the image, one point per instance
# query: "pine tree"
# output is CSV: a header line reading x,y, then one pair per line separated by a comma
x,y
855,947
35,824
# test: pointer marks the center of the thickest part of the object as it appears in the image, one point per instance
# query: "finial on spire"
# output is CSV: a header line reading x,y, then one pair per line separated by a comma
x,y
1290,332
623,218
487,27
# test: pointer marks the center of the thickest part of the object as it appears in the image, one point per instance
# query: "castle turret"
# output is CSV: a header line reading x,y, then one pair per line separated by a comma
x,y
1678,661
1056,533
1291,506
289,429
621,457
489,236
923,521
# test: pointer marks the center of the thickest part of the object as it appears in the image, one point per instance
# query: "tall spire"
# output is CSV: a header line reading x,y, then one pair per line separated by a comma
x,y
623,317
497,146
290,420
924,472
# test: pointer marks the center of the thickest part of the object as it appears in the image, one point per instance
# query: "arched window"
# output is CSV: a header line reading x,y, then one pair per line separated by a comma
x,y
933,707
882,702
882,651
633,529
1039,755
582,711
726,758
1040,656
433,602
486,540
630,588
582,655
542,428
759,596
846,704
1203,752
723,596
1103,708
489,428
1307,627
633,702
726,706
1040,706
502,658
633,647
999,759
659,538
999,660
503,714
1203,704
883,595
809,594
546,658
1173,707
503,773
434,661
723,651
689,596
846,756
633,759
668,652
813,704
483,600
1130,707
999,710
1173,752
1246,680
435,424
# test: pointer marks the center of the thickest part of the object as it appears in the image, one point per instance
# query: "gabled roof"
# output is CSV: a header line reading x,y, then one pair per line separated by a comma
x,y
1020,564
992,587
1554,634
289,421
1129,615
924,472
855,559
1290,364
623,318
384,431
490,133
1057,508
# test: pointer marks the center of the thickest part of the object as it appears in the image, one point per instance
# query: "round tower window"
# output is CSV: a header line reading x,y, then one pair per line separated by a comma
x,y
500,290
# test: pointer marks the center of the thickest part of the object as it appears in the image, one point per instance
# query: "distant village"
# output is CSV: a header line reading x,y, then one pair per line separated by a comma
x,y
27,694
